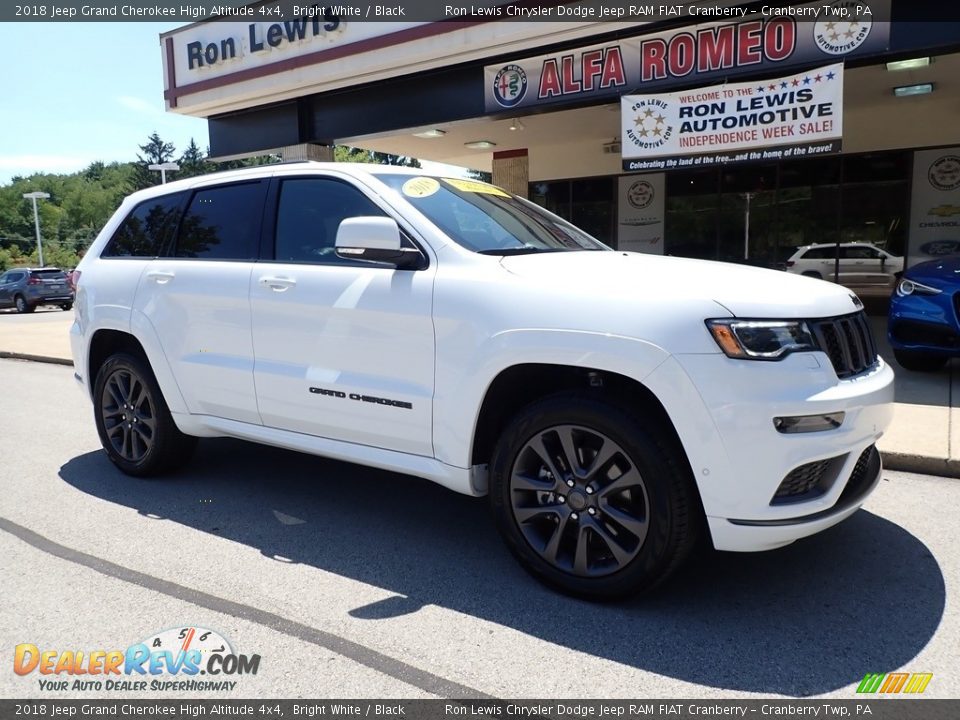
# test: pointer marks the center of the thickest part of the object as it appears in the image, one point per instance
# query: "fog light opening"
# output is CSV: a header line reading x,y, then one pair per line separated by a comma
x,y
808,423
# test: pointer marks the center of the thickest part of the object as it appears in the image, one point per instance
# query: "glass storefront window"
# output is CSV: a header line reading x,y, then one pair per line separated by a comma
x,y
591,208
690,227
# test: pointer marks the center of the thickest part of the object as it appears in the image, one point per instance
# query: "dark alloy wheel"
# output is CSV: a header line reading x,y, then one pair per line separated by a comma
x,y
22,305
579,500
593,499
133,421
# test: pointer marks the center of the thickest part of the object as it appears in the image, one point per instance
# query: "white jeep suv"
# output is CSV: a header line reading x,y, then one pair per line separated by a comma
x,y
614,406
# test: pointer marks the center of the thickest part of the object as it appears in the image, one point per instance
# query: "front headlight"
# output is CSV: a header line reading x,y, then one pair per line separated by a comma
x,y
909,287
761,339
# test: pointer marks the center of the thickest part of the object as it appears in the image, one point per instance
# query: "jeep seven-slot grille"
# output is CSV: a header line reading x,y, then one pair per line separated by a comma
x,y
847,341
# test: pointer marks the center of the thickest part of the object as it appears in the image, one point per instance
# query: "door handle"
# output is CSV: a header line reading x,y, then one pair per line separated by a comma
x,y
161,277
278,284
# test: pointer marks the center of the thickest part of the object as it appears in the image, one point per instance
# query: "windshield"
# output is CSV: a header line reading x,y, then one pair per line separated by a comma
x,y
486,219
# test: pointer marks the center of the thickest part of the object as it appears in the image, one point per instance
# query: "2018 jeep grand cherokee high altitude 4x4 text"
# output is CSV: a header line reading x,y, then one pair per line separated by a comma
x,y
612,405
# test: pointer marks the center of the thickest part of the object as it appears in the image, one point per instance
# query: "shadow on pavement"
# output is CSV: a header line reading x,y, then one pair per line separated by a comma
x,y
804,620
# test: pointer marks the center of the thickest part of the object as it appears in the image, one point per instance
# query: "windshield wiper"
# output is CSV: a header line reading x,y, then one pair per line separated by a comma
x,y
519,251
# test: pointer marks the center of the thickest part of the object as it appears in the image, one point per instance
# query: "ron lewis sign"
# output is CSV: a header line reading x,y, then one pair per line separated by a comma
x,y
796,115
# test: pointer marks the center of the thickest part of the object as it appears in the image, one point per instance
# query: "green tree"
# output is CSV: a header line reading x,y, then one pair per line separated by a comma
x,y
344,153
193,162
155,152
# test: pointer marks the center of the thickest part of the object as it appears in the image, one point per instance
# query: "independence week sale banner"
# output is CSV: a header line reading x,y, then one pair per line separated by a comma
x,y
791,116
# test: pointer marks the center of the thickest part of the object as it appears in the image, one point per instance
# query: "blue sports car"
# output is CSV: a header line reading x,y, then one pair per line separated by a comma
x,y
924,324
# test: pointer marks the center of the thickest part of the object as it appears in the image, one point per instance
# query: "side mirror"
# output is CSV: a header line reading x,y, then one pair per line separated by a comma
x,y
375,239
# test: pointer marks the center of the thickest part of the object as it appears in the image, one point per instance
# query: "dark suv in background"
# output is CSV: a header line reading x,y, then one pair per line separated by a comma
x,y
26,288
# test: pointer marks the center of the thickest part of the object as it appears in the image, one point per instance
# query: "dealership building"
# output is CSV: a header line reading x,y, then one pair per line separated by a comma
x,y
726,130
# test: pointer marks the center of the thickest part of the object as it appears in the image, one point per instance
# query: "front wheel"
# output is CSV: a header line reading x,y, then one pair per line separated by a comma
x,y
591,499
133,420
920,361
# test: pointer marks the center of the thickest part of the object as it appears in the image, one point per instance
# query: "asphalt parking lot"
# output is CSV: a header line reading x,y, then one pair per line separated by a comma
x,y
351,582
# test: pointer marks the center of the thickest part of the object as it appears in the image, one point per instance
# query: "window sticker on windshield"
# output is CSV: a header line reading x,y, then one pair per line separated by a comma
x,y
420,187
475,187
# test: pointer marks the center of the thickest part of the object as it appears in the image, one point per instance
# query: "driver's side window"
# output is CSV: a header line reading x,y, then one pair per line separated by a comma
x,y
309,214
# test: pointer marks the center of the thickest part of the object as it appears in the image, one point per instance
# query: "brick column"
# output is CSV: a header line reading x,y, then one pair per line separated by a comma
x,y
511,171
307,151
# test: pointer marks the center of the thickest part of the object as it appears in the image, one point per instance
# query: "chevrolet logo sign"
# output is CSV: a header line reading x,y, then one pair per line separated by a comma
x,y
944,210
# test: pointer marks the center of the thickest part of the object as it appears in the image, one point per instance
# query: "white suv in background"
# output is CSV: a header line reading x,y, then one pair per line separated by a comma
x,y
614,406
862,266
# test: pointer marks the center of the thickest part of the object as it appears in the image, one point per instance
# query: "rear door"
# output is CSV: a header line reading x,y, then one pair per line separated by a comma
x,y
197,299
344,349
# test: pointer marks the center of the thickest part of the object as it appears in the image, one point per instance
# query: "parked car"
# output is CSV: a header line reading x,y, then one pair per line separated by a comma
x,y
924,320
862,266
28,288
614,406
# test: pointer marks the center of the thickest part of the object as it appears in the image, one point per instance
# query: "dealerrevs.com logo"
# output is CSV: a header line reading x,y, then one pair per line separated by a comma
x,y
178,659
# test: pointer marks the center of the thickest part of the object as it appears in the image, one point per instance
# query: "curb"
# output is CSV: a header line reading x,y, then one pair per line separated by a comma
x,y
6,354
921,464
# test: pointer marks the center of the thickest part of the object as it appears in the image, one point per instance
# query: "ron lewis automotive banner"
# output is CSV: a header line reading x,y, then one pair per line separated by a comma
x,y
798,115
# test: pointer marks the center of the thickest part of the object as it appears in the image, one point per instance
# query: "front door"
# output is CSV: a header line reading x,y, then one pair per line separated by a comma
x,y
344,349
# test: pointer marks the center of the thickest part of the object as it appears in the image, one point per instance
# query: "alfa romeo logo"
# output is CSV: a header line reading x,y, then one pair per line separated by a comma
x,y
510,85
843,30
944,173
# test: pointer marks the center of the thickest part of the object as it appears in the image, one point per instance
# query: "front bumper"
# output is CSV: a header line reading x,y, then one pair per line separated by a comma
x,y
741,469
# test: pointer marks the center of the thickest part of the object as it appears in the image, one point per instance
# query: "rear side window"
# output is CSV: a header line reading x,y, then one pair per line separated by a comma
x,y
222,223
147,228
819,253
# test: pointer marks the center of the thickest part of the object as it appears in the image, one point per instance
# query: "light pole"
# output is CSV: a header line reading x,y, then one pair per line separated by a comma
x,y
37,195
748,196
163,167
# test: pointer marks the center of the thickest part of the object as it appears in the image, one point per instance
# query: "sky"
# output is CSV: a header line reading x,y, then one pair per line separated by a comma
x,y
73,93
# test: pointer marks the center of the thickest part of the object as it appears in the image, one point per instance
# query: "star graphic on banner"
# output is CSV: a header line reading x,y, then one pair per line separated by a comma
x,y
831,25
806,80
818,78
644,132
834,36
648,113
795,82
855,24
759,88
771,87
660,119
848,33
831,75
783,84
656,131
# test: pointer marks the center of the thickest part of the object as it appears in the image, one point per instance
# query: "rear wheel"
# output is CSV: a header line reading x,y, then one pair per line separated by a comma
x,y
920,361
22,306
67,306
133,420
592,499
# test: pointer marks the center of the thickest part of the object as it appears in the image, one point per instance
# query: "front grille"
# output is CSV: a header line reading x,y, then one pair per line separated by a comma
x,y
847,341
804,483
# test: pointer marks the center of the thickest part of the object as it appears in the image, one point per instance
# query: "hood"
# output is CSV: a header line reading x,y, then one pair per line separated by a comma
x,y
745,291
938,273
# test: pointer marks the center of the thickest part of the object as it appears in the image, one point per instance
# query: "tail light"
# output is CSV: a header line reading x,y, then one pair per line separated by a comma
x,y
34,280
74,279
790,263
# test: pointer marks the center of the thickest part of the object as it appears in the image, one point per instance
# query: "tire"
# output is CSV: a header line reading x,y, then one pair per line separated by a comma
x,y
567,537
151,444
67,306
920,361
813,274
22,306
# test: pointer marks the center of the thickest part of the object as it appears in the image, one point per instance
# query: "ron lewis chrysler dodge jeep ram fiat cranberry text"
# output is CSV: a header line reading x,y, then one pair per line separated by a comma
x,y
612,405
